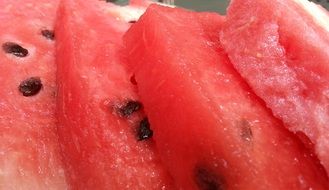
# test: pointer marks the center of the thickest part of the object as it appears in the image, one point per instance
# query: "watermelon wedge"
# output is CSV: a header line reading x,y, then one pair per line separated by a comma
x,y
104,134
280,48
211,130
29,150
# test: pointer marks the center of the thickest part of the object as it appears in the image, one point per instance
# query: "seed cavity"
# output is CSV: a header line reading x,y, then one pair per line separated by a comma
x,y
207,180
144,132
132,21
15,49
49,34
129,107
133,80
30,86
245,130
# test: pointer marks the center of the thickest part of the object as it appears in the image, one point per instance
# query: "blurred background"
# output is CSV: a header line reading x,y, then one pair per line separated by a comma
x,y
204,5
213,5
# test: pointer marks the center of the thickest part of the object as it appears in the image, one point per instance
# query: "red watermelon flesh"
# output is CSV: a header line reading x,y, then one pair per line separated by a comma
x,y
281,49
99,113
29,149
210,129
140,3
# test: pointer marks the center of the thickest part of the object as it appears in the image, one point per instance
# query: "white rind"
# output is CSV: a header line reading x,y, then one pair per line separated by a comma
x,y
129,13
318,13
126,13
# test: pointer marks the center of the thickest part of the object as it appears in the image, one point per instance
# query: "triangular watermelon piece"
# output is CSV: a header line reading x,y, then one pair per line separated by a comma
x,y
104,134
281,49
29,150
211,130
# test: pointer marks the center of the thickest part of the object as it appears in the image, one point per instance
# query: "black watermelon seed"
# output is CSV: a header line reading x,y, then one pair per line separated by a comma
x,y
30,86
129,108
144,131
132,21
206,180
49,34
15,49
111,1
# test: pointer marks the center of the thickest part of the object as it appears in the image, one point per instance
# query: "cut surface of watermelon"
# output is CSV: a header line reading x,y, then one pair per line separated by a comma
x,y
101,122
140,3
210,129
280,48
29,150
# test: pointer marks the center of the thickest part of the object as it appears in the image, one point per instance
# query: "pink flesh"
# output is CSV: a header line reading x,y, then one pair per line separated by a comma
x,y
29,149
282,53
140,3
203,114
100,148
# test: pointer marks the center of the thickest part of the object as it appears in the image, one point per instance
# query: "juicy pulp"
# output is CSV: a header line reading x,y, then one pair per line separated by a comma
x,y
211,130
29,150
101,147
280,48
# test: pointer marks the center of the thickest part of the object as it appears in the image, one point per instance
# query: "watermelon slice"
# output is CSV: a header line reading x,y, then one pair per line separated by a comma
x,y
29,150
104,134
280,48
211,130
